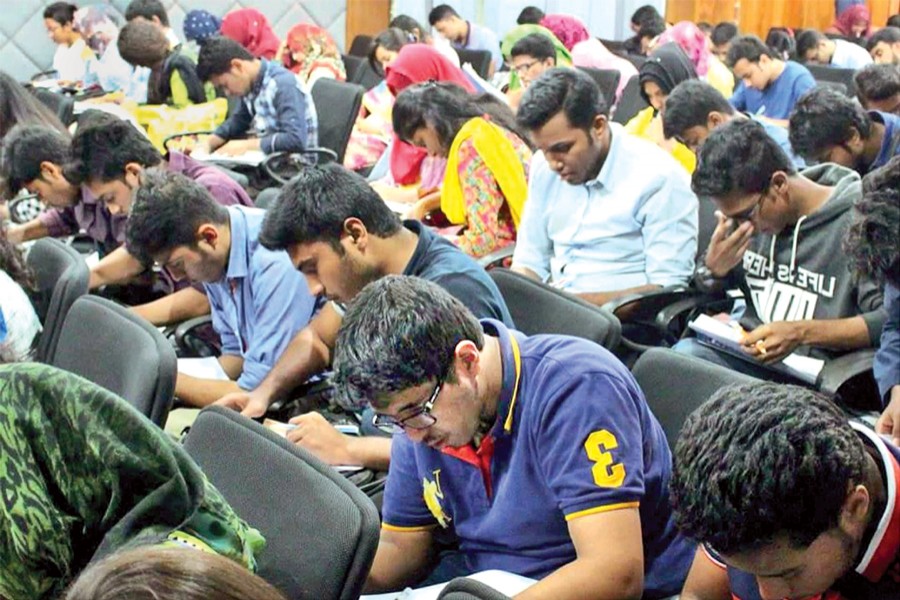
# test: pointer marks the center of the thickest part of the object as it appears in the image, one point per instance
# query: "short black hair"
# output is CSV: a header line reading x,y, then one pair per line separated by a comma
x,y
535,45
25,147
705,26
441,12
392,38
894,21
644,13
873,240
808,40
142,44
888,35
738,156
530,15
216,55
877,82
313,206
749,47
824,117
689,105
61,12
651,28
167,211
723,33
561,89
101,152
147,9
409,25
398,333
762,460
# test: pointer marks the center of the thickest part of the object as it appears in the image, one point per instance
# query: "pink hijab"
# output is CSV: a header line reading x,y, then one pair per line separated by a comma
x,y
692,41
250,28
856,13
567,29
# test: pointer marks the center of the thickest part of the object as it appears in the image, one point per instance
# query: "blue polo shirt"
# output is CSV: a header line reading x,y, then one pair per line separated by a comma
x,y
261,302
890,145
778,99
573,437
482,38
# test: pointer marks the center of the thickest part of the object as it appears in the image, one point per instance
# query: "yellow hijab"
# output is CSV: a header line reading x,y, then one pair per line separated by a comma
x,y
501,159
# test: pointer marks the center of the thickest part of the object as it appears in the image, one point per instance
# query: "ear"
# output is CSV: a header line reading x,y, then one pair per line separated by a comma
x,y
550,61
133,170
779,183
50,170
208,233
714,119
854,510
467,359
237,65
855,140
598,127
355,233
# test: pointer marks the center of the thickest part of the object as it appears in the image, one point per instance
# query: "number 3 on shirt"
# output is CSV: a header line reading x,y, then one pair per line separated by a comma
x,y
607,473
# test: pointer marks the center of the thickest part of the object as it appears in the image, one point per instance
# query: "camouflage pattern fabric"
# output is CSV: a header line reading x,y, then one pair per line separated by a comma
x,y
83,474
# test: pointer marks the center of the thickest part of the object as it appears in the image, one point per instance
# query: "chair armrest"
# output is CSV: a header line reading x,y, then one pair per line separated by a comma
x,y
497,257
186,331
279,160
674,317
645,305
849,377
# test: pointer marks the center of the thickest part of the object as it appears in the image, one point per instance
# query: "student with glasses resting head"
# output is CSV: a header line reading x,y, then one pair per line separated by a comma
x,y
778,238
503,431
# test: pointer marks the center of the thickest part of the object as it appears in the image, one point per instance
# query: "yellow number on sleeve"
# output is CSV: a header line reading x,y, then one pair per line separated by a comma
x,y
607,473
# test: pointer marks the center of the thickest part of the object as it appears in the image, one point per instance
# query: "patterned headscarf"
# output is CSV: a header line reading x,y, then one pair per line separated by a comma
x,y
309,47
200,25
692,41
567,29
250,28
84,474
855,14
99,26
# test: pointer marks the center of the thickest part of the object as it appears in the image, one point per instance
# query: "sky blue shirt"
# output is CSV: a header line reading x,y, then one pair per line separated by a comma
x,y
482,38
780,135
260,303
778,99
634,224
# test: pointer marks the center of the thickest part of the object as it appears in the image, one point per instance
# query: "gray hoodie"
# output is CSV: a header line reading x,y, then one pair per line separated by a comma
x,y
802,272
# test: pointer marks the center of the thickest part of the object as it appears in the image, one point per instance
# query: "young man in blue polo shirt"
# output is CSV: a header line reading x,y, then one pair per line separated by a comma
x,y
539,453
466,35
341,236
827,126
257,299
788,498
769,87
274,103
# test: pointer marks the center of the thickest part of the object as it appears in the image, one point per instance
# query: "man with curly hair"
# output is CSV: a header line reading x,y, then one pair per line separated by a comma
x,y
788,499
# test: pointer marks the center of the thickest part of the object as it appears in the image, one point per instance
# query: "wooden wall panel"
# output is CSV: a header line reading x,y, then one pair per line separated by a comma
x,y
366,17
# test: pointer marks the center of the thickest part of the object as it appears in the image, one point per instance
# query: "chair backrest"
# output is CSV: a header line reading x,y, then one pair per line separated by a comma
x,y
607,80
823,73
835,85
675,384
108,344
352,65
321,531
360,72
62,105
360,45
707,222
463,588
631,102
62,277
479,59
539,308
337,106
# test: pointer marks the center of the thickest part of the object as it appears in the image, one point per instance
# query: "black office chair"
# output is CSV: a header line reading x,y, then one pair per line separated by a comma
x,y
62,105
321,531
108,344
631,102
62,277
676,384
823,73
539,308
463,588
607,80
835,85
360,46
479,59
352,65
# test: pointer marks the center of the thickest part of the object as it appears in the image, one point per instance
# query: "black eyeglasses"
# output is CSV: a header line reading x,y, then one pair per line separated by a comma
x,y
419,418
749,213
525,66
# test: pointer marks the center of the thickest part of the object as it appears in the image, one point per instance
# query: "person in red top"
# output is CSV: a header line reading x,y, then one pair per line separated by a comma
x,y
250,28
787,498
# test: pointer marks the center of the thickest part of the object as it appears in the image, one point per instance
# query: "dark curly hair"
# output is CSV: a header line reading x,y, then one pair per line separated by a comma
x,y
873,239
824,117
762,460
13,263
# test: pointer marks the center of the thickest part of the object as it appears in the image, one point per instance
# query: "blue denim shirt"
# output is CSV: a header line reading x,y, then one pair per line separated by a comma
x,y
261,302
280,111
634,224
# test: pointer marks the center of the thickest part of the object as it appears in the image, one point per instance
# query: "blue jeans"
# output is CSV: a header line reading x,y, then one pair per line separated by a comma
x,y
692,347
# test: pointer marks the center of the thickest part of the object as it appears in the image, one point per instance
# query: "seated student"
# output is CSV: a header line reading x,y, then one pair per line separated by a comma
x,y
696,46
154,12
592,53
485,184
539,453
528,58
341,236
273,101
72,53
813,47
465,35
781,41
769,86
884,46
607,214
421,34
148,573
878,88
647,24
569,30
873,242
258,300
788,498
311,53
99,25
666,67
695,108
720,39
854,23
100,477
173,76
250,28
21,323
827,126
108,161
530,15
778,239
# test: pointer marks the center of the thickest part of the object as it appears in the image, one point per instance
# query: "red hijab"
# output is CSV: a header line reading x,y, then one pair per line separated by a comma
x,y
417,63
250,28
845,21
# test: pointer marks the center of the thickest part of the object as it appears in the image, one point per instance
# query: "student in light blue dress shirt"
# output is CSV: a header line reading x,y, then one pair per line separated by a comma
x,y
465,35
607,214
258,300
